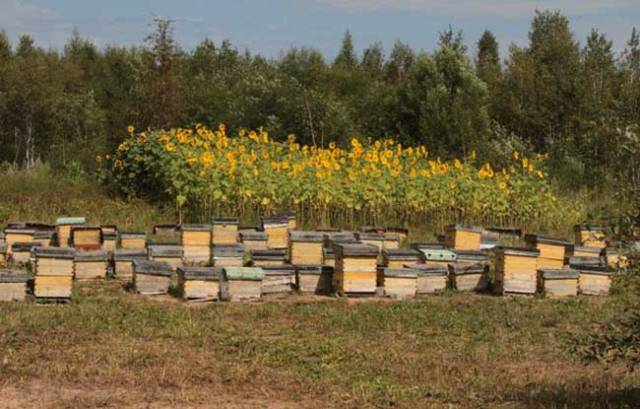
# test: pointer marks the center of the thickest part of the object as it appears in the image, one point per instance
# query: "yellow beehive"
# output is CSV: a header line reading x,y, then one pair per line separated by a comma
x,y
132,241
552,250
225,230
356,268
305,247
561,283
169,254
53,269
460,237
86,237
13,285
614,258
397,258
196,243
398,282
12,236
516,270
151,277
123,263
277,232
465,276
63,229
21,252
589,235
594,280
253,239
200,283
573,250
372,239
90,265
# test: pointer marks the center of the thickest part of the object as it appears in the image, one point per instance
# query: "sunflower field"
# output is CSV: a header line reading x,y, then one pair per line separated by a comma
x,y
206,172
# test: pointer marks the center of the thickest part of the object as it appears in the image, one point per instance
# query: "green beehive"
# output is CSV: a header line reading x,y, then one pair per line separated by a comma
x,y
243,283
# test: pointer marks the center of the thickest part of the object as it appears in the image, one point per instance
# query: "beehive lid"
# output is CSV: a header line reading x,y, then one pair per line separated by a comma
x,y
196,227
129,254
584,261
163,241
16,225
591,269
517,251
284,269
370,236
110,227
66,221
328,229
400,254
54,252
589,227
275,221
439,254
584,249
313,269
289,214
372,229
355,250
460,227
253,235
272,254
132,235
561,274
200,273
536,238
467,268
472,255
109,236
43,234
429,269
24,246
166,251
13,276
398,230
97,255
427,246
150,267
40,226
244,273
158,228
400,272
306,236
228,250
19,231
224,221
339,236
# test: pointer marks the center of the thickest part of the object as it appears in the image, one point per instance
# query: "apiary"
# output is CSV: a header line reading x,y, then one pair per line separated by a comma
x,y
277,232
589,235
552,250
372,239
90,265
460,237
17,235
356,268
465,276
151,277
253,239
13,285
21,252
228,255
244,283
225,230
397,258
132,240
123,262
170,254
614,257
200,283
273,257
558,283
594,280
398,282
86,237
278,279
63,229
432,278
305,247
53,269
196,242
314,279
516,270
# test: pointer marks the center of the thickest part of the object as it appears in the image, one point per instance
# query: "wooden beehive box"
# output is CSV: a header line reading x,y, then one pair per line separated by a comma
x,y
552,250
435,254
225,230
165,230
614,257
460,237
391,241
278,279
21,252
3,255
44,237
196,242
133,240
489,239
13,285
314,278
200,283
151,277
109,229
244,283
356,268
90,265
253,239
585,261
558,283
305,247
277,232
594,279
109,237
123,262
372,239
589,235
401,232
472,257
170,254
573,250
465,276
333,238
53,268
432,278
398,282
63,229
228,255
17,235
397,258
515,270
86,237
273,257
329,257
290,217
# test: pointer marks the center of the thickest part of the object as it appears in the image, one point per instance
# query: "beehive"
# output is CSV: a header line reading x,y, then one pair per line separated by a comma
x,y
243,283
225,230
594,280
614,257
165,230
305,247
123,262
90,265
573,250
63,229
13,285
151,277
333,238
279,279
398,282
109,229
132,240
401,232
465,276
355,271
228,255
314,279
589,235
552,251
329,257
21,252
43,237
171,255
253,240
3,254
276,229
435,254
472,257
196,242
558,283
432,278
585,261
460,237
273,257
200,283
391,241
372,239
372,229
290,217
516,270
53,269
489,239
86,237
109,237
20,235
397,258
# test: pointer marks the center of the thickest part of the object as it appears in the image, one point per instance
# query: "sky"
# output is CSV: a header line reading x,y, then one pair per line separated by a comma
x,y
270,26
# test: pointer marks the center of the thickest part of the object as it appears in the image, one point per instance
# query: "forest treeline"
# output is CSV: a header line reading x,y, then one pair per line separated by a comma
x,y
577,100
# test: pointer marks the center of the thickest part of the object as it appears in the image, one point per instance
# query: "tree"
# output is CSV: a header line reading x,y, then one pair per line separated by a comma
x,y
346,58
373,61
400,61
630,80
488,59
